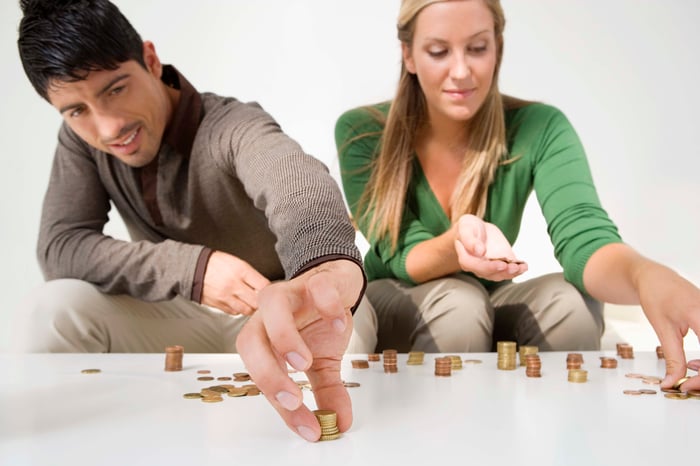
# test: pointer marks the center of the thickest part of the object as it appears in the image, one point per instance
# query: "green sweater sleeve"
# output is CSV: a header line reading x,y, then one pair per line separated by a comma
x,y
577,223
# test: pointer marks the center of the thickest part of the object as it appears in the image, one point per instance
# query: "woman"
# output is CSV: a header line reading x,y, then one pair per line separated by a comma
x,y
437,180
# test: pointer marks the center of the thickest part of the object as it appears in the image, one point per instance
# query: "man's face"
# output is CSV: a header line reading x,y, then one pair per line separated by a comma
x,y
123,112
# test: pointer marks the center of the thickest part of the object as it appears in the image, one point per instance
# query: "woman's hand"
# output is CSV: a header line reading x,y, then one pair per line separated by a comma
x,y
483,250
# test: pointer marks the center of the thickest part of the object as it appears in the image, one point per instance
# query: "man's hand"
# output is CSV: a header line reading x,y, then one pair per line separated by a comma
x,y
305,322
231,284
479,247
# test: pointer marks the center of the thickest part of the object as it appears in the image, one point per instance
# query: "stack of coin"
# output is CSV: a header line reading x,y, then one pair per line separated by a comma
x,y
533,365
660,352
574,360
625,351
389,357
506,355
360,364
525,350
608,363
456,362
373,357
328,421
241,377
443,366
415,358
578,375
173,358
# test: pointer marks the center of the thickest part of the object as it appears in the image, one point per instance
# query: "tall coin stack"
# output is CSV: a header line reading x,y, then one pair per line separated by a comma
x,y
533,365
578,375
328,421
574,360
443,366
625,351
660,353
525,350
390,358
173,358
608,363
415,358
506,355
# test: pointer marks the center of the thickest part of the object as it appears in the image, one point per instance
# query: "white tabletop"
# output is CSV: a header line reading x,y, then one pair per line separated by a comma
x,y
134,413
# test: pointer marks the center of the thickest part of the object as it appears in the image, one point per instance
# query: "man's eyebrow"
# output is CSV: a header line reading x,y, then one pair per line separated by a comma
x,y
112,83
98,93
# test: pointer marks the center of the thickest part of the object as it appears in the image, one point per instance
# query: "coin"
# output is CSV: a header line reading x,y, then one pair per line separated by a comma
x,y
212,399
473,361
680,382
205,378
632,392
676,396
203,371
351,384
90,371
192,396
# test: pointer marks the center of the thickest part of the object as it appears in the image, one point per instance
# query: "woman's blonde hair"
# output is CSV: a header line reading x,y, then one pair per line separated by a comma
x,y
392,171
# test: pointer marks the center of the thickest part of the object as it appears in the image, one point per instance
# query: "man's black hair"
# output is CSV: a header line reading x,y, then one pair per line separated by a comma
x,y
64,40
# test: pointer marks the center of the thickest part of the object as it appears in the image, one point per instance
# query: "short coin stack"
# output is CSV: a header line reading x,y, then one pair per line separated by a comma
x,y
608,363
328,421
173,358
415,358
360,364
456,362
525,350
578,375
574,360
506,355
373,357
390,361
443,366
660,353
625,351
533,365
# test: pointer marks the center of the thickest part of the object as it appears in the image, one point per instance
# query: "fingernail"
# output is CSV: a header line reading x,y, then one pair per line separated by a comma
x,y
307,433
296,361
339,325
287,400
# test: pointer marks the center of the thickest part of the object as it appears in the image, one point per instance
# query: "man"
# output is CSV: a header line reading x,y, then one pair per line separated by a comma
x,y
225,212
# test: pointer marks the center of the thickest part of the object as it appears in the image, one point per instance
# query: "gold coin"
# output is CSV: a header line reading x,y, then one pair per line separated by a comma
x,y
669,390
680,382
646,391
90,371
192,396
330,437
212,399
205,378
635,376
676,396
631,392
235,392
351,384
473,361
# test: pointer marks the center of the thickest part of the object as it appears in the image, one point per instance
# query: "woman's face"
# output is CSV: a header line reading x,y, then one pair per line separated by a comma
x,y
453,55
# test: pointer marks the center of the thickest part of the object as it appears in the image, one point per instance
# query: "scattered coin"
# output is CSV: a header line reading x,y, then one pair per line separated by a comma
x,y
473,361
192,396
205,378
90,371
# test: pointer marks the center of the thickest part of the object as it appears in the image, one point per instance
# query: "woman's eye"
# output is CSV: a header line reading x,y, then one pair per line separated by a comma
x,y
437,53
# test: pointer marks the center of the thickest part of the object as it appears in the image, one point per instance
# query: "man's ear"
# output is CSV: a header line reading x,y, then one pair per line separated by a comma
x,y
150,58
408,58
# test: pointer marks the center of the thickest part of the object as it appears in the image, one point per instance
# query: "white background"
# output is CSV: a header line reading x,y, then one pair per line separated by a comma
x,y
625,72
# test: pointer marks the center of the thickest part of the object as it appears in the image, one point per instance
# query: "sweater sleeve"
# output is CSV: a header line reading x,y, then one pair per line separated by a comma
x,y
301,200
72,244
358,135
577,223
